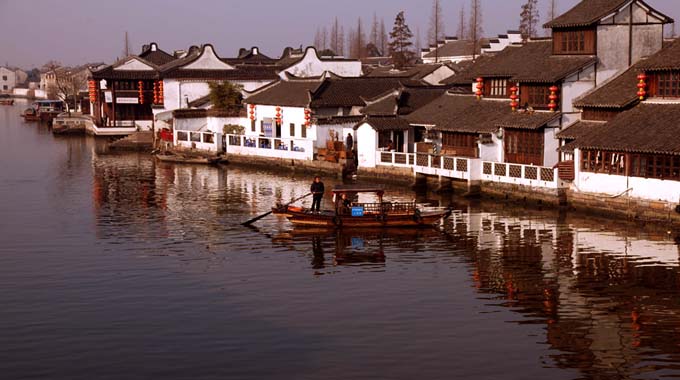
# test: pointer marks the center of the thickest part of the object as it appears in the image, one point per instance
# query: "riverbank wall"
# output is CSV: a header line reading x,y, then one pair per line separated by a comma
x,y
629,208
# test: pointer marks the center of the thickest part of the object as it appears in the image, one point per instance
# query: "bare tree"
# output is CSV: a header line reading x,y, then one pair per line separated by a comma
x,y
324,38
418,42
317,39
552,10
375,31
475,28
360,40
335,41
341,41
462,30
126,46
68,82
436,31
383,38
528,24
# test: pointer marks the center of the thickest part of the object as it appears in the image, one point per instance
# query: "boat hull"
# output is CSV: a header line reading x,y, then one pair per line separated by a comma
x,y
330,220
188,160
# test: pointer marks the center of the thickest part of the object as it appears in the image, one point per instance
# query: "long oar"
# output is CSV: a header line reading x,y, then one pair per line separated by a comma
x,y
255,219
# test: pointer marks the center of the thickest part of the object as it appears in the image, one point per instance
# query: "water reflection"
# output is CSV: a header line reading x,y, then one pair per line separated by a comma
x,y
92,240
607,299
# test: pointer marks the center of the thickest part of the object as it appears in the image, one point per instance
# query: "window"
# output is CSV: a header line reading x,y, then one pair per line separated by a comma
x,y
4,87
524,146
303,131
574,41
252,126
208,138
498,88
292,129
182,136
535,96
4,77
196,136
460,144
635,165
668,84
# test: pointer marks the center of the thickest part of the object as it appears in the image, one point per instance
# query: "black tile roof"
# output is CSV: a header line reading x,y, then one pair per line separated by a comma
x,y
589,12
646,128
290,93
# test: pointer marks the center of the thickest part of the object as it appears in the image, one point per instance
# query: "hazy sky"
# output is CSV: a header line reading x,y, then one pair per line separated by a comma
x,y
79,31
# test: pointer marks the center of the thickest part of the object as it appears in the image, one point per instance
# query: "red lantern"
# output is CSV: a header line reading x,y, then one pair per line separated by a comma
x,y
160,92
480,86
553,98
141,91
92,89
641,86
513,98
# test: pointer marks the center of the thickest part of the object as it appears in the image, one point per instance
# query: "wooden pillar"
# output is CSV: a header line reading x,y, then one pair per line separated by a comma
x,y
113,101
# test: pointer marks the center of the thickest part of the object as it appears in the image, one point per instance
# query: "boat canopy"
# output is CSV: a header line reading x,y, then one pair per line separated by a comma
x,y
377,189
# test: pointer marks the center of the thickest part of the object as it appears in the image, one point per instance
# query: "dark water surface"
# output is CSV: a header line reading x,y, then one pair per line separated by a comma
x,y
117,267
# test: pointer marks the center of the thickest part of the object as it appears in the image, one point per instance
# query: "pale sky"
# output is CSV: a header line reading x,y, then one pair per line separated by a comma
x,y
78,31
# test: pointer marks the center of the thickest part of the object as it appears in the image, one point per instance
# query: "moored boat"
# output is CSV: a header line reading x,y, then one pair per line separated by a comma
x,y
189,159
348,214
6,100
30,114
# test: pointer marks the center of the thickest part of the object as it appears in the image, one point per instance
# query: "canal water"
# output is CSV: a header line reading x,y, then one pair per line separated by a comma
x,y
113,266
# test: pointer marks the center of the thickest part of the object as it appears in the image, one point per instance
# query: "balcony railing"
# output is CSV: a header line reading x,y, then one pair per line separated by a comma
x,y
302,149
528,175
397,159
447,166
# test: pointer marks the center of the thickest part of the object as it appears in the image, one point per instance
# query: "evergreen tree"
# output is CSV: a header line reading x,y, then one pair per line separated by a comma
x,y
528,24
400,43
225,95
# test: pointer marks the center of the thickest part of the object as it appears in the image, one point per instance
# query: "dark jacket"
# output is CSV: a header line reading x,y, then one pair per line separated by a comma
x,y
317,187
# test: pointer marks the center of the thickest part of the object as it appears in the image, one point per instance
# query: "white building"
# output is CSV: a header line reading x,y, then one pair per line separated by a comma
x,y
8,79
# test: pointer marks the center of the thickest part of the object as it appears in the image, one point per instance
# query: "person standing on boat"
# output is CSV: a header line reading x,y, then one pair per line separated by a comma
x,y
317,189
349,142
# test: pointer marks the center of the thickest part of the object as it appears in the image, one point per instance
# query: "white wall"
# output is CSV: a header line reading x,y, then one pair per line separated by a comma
x,y
8,79
609,184
216,124
367,145
491,152
312,66
550,145
289,115
575,86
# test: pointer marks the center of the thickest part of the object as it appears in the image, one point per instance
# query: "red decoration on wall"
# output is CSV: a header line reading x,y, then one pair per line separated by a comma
x,y
141,91
92,89
553,98
480,87
161,98
252,111
642,85
513,98
308,117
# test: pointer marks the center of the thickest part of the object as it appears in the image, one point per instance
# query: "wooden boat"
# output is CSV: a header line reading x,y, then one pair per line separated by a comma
x,y
43,110
365,215
189,159
30,114
5,100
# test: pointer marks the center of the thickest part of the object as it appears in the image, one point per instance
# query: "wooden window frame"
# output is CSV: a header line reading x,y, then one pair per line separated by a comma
x,y
654,166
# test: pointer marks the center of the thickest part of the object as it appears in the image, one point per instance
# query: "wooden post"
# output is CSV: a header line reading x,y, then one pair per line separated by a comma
x,y
113,101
